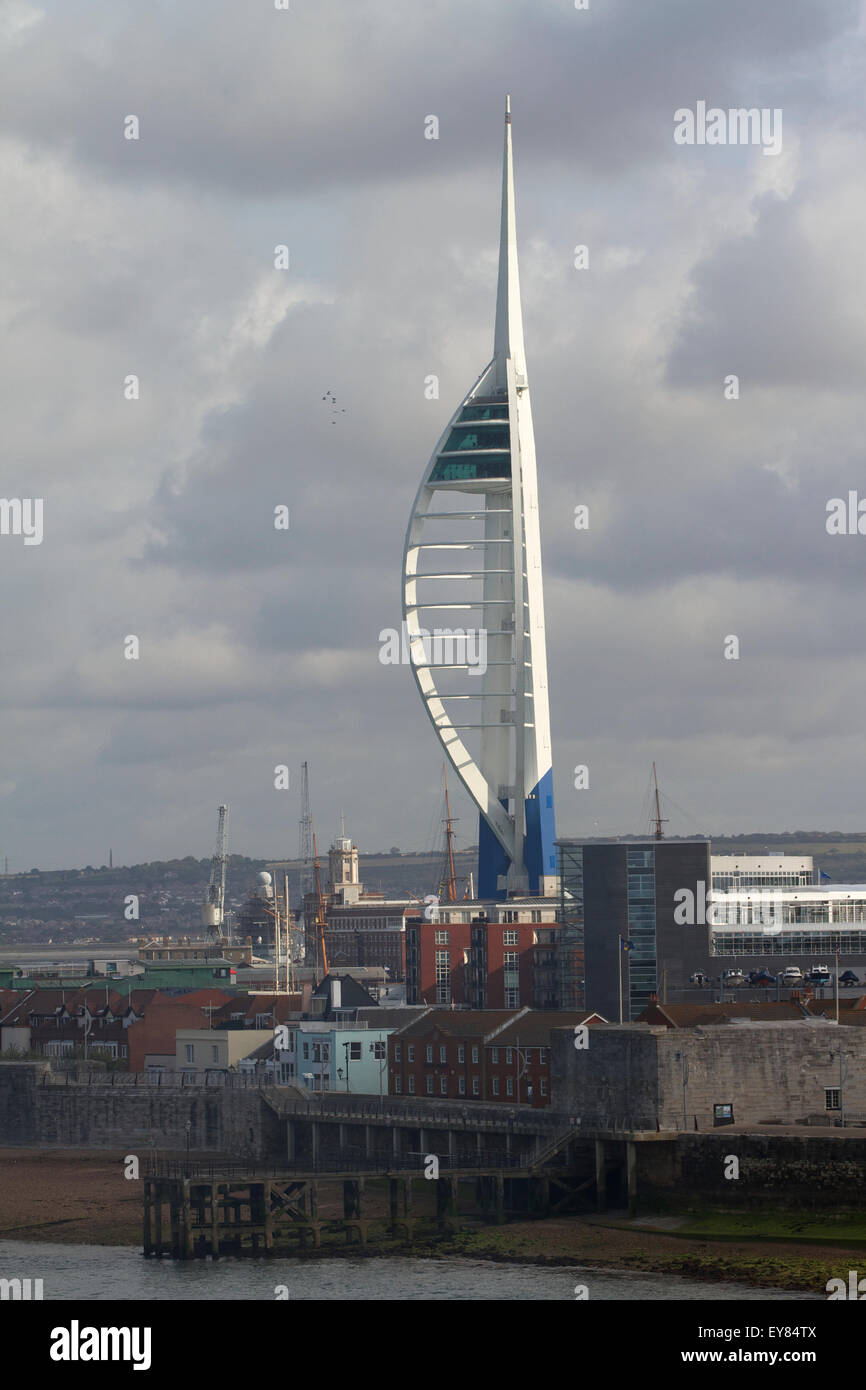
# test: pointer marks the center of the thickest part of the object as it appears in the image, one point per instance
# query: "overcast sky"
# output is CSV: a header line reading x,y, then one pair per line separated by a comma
x,y
305,127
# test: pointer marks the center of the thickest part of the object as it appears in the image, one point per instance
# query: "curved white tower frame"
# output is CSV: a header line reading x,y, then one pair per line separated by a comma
x,y
486,454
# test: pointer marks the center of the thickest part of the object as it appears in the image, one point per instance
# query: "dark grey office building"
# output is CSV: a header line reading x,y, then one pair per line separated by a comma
x,y
626,888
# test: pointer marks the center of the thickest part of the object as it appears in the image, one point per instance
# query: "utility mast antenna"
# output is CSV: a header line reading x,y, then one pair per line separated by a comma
x,y
305,834
213,911
320,914
659,819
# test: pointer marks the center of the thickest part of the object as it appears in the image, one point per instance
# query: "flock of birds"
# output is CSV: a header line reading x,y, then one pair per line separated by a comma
x,y
329,396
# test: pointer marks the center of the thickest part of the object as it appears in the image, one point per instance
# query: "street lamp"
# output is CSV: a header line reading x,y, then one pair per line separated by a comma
x,y
188,1129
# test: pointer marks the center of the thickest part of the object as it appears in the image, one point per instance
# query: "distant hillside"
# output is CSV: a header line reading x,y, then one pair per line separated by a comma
x,y
69,905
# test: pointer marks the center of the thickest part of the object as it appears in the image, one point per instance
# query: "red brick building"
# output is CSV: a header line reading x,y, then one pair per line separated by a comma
x,y
56,1022
155,1035
499,1055
487,955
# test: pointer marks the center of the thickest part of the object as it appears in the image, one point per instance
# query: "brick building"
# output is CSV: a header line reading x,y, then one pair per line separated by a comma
x,y
56,1022
138,1030
368,932
484,955
485,1054
162,1015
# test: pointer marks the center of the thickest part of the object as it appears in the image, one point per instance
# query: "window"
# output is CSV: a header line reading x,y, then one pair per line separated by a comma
x,y
354,1052
831,1098
443,1052
429,1085
640,858
411,1085
443,1085
461,1085
443,977
306,1052
475,1085
496,1085
429,1052
214,1053
509,938
508,1052
317,1052
379,1051
542,1081
440,938
509,1085
398,1084
190,1052
496,1054
641,885
398,1052
461,1053
411,1052
475,1055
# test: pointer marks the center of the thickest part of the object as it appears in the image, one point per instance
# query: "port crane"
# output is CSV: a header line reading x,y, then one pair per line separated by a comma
x,y
213,910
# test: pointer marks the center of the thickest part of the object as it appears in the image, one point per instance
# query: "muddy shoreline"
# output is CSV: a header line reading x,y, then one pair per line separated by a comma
x,y
83,1198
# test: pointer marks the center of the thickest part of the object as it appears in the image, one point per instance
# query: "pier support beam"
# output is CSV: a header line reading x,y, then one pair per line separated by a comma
x,y
499,1198
600,1177
215,1220
631,1166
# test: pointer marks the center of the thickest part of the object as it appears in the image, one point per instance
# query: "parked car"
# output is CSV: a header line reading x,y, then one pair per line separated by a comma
x,y
848,978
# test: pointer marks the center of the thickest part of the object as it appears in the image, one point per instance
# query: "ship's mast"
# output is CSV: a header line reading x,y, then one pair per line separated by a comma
x,y
659,819
449,840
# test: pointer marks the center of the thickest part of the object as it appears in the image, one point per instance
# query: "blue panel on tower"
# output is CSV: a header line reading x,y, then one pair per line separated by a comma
x,y
492,861
540,830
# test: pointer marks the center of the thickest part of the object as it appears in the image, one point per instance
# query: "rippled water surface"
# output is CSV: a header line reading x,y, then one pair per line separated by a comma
x,y
85,1272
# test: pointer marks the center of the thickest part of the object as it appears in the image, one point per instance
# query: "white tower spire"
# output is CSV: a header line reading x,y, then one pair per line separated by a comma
x,y
508,333
495,726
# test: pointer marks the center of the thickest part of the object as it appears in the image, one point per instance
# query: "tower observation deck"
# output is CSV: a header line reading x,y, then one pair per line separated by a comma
x,y
473,557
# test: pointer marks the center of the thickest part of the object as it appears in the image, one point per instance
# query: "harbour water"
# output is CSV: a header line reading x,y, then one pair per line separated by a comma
x,y
88,1273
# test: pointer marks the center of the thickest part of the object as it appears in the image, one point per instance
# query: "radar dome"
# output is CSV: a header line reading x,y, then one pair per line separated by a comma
x,y
263,878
